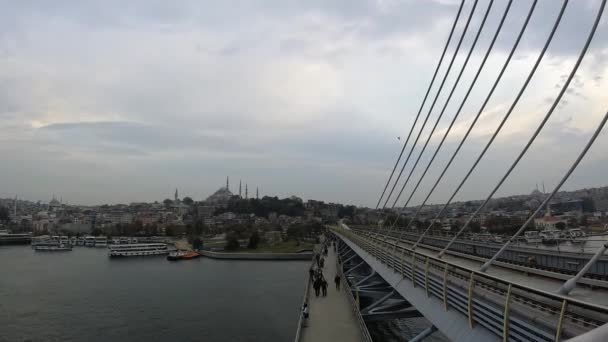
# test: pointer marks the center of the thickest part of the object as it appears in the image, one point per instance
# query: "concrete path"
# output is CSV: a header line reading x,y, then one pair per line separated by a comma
x,y
331,318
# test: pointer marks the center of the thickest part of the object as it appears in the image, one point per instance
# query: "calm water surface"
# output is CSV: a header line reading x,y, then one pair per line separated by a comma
x,y
83,295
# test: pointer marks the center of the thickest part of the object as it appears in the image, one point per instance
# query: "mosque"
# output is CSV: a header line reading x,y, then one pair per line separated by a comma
x,y
223,195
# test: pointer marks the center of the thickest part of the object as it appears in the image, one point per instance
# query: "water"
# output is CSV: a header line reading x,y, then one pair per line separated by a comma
x,y
83,295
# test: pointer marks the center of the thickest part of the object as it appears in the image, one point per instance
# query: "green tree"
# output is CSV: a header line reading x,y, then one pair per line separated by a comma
x,y
232,242
4,213
254,240
167,202
188,201
197,243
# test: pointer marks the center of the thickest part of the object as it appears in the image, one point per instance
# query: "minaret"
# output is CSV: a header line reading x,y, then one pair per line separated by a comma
x,y
176,195
227,183
15,209
257,193
240,189
246,192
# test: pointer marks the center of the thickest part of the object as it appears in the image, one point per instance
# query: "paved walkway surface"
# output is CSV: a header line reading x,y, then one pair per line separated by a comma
x,y
331,317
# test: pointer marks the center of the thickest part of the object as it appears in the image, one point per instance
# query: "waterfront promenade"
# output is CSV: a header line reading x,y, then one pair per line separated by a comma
x,y
331,318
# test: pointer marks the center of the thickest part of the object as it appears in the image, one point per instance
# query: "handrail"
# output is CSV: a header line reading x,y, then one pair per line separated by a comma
x,y
353,304
304,301
581,316
479,274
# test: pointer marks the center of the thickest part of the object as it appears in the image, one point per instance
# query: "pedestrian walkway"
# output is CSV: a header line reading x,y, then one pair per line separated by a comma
x,y
331,318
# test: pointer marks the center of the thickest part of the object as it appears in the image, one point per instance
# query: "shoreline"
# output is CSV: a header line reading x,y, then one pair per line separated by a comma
x,y
256,256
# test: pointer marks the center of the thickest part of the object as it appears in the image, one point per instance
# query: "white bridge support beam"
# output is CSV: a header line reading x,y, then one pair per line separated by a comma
x,y
354,268
378,302
451,322
357,284
424,334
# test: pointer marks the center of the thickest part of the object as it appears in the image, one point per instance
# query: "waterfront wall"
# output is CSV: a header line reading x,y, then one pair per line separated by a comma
x,y
257,256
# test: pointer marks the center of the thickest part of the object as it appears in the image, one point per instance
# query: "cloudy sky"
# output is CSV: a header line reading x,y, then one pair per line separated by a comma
x,y
121,101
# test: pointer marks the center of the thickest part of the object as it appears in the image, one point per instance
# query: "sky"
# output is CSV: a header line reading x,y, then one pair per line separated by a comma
x,y
117,102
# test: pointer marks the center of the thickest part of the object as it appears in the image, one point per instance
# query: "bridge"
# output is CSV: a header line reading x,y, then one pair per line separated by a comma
x,y
398,267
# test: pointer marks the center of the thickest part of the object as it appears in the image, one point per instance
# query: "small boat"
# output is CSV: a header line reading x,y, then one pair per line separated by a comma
x,y
181,255
56,248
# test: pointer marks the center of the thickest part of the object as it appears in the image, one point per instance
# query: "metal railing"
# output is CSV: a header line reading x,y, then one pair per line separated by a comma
x,y
512,311
560,265
304,301
353,303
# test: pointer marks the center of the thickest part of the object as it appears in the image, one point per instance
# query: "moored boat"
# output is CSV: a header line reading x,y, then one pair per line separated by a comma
x,y
55,248
182,255
138,249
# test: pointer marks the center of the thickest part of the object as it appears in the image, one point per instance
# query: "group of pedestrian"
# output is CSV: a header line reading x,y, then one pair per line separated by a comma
x,y
319,283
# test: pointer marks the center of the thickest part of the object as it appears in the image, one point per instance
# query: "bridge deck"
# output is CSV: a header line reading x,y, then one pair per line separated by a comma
x,y
331,318
583,293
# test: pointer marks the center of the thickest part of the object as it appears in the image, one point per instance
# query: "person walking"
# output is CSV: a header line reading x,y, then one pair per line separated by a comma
x,y
317,286
324,287
337,281
322,263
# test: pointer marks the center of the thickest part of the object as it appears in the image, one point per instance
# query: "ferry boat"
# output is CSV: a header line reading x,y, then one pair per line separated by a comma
x,y
101,241
533,237
550,236
63,239
73,241
80,241
43,240
182,255
89,241
138,249
123,240
56,248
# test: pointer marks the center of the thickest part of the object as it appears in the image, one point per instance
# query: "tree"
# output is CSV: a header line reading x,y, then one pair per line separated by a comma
x,y
254,240
197,243
167,202
188,201
232,242
4,213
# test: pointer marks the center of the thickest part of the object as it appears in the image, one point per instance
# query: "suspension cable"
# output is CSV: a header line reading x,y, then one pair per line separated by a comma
x,y
445,106
464,31
445,48
487,264
540,127
504,120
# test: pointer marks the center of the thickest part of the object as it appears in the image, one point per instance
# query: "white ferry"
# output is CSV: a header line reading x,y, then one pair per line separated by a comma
x,y
73,241
533,237
80,241
101,241
138,249
89,241
43,240
56,248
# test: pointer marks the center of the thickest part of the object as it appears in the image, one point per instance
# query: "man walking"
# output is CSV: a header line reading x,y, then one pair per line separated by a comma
x,y
337,281
324,287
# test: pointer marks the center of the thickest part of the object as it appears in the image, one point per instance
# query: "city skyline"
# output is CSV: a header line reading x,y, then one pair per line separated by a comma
x,y
124,100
